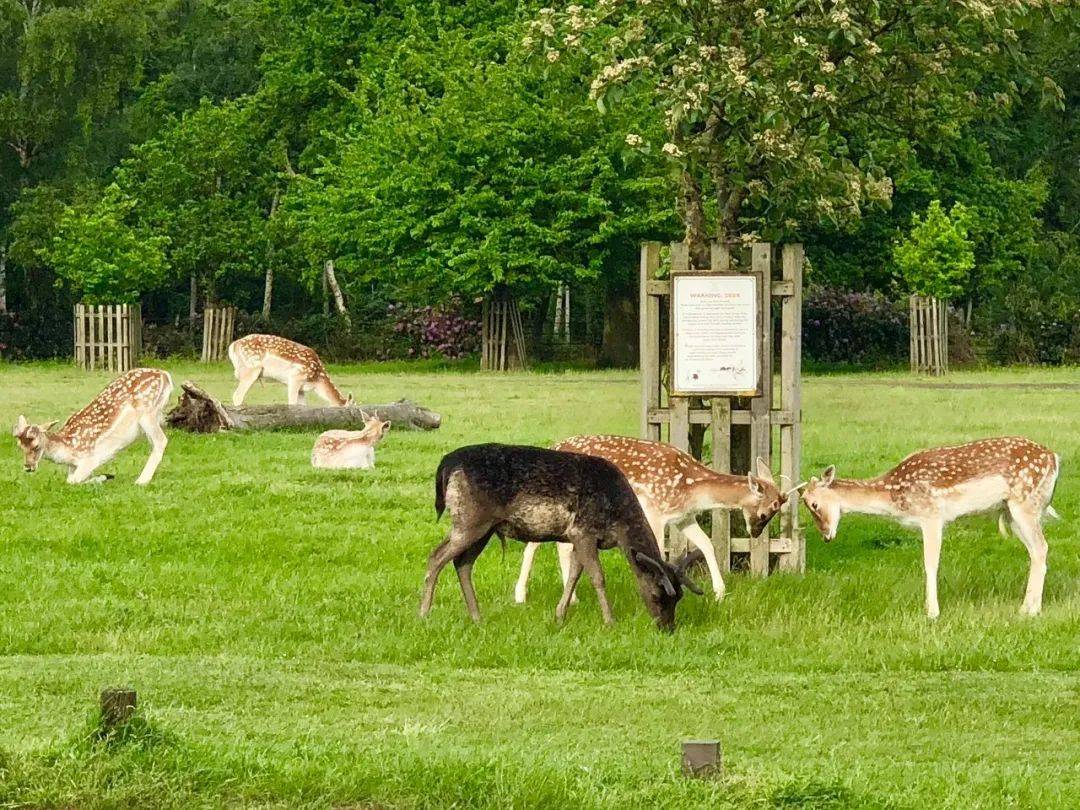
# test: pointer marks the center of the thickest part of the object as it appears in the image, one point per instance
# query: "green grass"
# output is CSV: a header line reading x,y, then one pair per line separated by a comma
x,y
266,612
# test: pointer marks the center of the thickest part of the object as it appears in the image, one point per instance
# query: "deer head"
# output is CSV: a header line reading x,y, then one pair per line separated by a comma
x,y
666,584
764,499
32,440
824,504
374,427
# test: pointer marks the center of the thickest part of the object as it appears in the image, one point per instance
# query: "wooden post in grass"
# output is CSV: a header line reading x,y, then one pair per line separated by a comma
x,y
702,758
117,707
712,367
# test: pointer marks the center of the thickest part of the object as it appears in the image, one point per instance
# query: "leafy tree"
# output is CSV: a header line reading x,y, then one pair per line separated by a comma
x,y
780,114
102,256
936,256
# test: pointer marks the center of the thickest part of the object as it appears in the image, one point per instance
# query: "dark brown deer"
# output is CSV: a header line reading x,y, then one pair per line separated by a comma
x,y
537,495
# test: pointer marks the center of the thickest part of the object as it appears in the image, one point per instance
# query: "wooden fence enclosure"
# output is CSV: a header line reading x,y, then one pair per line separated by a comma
x,y
929,320
502,335
219,324
727,418
108,336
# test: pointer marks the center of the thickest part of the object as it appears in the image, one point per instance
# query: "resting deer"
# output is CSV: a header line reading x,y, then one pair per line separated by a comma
x,y
132,402
286,361
673,486
534,494
931,488
349,449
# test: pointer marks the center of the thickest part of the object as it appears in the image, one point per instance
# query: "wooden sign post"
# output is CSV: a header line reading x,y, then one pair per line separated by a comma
x,y
717,374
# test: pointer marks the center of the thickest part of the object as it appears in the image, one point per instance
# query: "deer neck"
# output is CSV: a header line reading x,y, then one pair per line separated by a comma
x,y
865,497
717,491
58,449
330,391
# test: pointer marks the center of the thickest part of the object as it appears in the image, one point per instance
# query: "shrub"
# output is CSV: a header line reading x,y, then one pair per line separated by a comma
x,y
860,328
35,335
437,331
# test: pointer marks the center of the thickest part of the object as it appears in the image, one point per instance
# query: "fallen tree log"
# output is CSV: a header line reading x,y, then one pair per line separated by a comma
x,y
198,412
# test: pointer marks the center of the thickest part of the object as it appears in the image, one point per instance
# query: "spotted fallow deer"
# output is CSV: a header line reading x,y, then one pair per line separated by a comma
x,y
931,488
131,403
349,449
673,486
286,361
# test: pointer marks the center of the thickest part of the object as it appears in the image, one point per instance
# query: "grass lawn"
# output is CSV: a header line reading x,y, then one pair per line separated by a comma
x,y
266,613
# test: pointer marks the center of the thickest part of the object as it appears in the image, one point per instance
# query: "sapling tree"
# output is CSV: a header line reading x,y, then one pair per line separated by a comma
x,y
937,256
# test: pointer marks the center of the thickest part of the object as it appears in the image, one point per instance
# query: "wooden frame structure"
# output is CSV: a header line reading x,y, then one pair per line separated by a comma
x,y
502,339
108,336
776,407
929,320
219,325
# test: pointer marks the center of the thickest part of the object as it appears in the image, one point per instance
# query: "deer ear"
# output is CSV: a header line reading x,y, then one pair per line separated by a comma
x,y
665,579
828,476
386,426
755,487
20,426
349,401
49,425
763,471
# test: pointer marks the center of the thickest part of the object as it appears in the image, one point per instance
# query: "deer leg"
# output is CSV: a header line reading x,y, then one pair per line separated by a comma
x,y
587,555
573,574
1031,535
932,530
456,542
521,589
81,474
703,542
247,378
158,440
463,562
295,385
566,555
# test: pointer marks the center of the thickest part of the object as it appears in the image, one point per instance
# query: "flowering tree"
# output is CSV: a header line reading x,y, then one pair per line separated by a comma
x,y
778,114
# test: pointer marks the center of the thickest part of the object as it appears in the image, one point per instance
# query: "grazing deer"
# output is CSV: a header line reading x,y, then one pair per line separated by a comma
x,y
931,488
349,449
534,494
672,486
132,402
286,361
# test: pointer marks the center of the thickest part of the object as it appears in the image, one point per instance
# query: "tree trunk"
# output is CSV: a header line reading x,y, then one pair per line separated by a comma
x,y
268,284
693,216
193,299
198,412
620,342
268,291
3,279
339,299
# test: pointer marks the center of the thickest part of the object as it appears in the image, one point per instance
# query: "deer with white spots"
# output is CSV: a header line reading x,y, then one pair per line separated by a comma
x,y
130,404
931,488
349,449
285,361
672,487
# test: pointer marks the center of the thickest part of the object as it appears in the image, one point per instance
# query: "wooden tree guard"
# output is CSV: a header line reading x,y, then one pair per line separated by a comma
x,y
929,320
762,413
503,337
108,336
218,326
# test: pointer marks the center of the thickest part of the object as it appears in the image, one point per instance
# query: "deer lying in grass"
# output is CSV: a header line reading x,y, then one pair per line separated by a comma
x,y
534,494
672,486
131,403
286,361
349,449
931,488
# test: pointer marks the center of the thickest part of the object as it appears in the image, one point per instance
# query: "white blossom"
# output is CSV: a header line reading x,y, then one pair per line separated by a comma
x,y
634,140
672,150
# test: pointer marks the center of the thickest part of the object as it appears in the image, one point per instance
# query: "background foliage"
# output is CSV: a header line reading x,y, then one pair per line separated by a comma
x,y
199,150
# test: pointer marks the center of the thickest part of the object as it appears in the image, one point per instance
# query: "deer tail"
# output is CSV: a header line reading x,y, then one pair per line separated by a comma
x,y
1003,525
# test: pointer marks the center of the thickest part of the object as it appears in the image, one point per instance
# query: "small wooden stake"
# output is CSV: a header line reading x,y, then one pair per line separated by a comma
x,y
701,758
117,706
